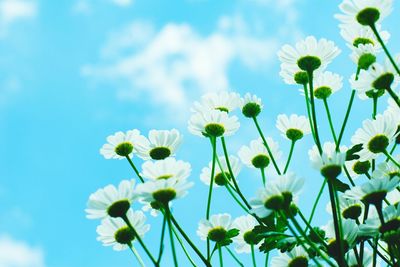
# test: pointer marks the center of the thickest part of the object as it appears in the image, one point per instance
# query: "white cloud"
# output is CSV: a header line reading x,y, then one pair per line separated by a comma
x,y
12,11
86,7
19,254
169,64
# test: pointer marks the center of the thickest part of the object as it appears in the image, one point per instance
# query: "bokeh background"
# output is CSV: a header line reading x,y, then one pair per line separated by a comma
x,y
74,71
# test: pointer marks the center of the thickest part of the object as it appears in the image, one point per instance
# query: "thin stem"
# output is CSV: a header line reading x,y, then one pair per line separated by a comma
x,y
375,106
137,256
373,27
236,199
171,235
214,156
290,156
308,110
221,260
375,249
266,146
253,256
346,117
234,257
162,240
135,169
264,180
139,239
321,190
183,248
266,259
391,159
189,241
308,226
328,114
313,113
394,96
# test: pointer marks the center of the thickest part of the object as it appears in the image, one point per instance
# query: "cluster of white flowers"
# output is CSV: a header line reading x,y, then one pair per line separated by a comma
x,y
365,225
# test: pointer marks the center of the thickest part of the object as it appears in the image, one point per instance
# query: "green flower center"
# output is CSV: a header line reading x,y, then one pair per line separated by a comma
x,y
124,149
322,92
119,208
361,167
384,81
301,77
375,197
155,205
300,261
294,134
251,110
368,16
274,202
333,248
366,60
250,237
260,161
124,235
222,178
164,195
214,129
352,212
378,144
362,41
159,153
217,234
309,63
331,171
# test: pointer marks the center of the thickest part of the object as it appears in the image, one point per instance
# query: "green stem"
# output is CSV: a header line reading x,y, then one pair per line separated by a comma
x,y
214,156
183,248
394,96
171,235
139,239
234,257
308,226
162,240
236,199
375,106
266,146
266,259
373,27
221,261
328,114
135,169
264,180
391,159
309,110
253,256
346,118
313,113
137,256
321,190
290,156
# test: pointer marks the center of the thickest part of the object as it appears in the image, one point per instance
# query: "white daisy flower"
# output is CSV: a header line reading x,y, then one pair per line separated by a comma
x,y
276,194
292,74
114,231
111,201
221,175
223,101
327,83
331,161
121,145
216,228
163,191
374,227
296,257
213,123
375,136
293,127
166,169
160,144
251,105
349,208
256,155
356,35
373,191
364,56
352,260
364,12
309,54
350,231
246,237
387,169
355,168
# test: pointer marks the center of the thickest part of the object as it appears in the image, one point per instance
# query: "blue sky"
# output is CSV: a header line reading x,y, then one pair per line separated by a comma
x,y
73,72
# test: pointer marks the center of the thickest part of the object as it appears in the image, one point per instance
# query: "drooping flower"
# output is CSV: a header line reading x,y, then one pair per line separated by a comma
x,y
309,54
296,257
114,231
349,208
246,237
214,123
216,228
161,144
220,176
111,201
166,169
327,83
356,35
293,127
121,145
292,74
349,233
330,162
373,226
223,101
256,155
364,56
375,136
251,105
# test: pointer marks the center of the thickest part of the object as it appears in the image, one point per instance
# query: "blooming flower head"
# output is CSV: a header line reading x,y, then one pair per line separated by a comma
x,y
364,12
349,208
221,176
256,155
387,169
160,144
355,168
293,127
216,228
166,169
309,54
373,226
292,74
357,35
296,257
276,194
114,231
330,162
223,101
352,261
327,83
350,230
214,123
111,201
121,145
364,56
251,105
375,80
161,192
246,237
375,136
